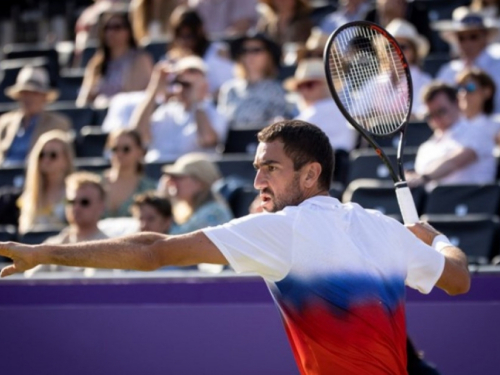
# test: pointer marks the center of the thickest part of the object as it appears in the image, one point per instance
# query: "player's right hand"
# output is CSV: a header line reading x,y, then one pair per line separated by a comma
x,y
24,257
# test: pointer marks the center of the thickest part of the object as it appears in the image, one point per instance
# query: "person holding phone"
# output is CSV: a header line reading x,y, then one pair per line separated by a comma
x,y
185,120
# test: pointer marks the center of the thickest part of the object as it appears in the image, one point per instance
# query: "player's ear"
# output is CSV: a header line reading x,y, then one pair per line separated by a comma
x,y
313,171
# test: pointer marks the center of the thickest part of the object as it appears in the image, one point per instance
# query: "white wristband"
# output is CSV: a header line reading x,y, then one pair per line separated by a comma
x,y
440,242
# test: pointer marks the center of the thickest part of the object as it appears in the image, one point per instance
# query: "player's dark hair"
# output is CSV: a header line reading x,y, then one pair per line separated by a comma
x,y
303,143
434,89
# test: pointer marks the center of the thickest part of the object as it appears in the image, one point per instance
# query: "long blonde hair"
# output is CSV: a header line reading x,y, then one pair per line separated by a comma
x,y
34,187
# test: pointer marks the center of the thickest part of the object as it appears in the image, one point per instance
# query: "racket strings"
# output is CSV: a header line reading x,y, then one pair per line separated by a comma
x,y
370,80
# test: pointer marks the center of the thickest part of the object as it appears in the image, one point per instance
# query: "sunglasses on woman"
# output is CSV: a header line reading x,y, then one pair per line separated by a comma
x,y
468,87
84,202
52,155
124,149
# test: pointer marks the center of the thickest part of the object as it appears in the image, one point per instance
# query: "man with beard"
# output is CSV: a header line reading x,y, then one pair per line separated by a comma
x,y
337,272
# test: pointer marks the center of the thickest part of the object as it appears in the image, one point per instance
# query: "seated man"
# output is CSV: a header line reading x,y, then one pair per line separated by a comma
x,y
457,152
20,129
153,212
85,198
186,121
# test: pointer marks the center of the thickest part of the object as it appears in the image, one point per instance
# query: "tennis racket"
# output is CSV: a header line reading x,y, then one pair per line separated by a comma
x,y
370,81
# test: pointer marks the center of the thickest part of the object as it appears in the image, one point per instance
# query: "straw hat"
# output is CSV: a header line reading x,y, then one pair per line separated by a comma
x,y
194,165
400,28
307,70
32,79
464,19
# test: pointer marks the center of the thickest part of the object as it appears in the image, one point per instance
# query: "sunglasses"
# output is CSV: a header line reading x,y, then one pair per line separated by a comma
x,y
114,27
253,51
84,202
438,113
469,37
307,85
52,155
468,87
124,149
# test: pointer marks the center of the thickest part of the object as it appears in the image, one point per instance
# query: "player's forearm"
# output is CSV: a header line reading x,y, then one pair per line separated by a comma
x,y
133,252
457,266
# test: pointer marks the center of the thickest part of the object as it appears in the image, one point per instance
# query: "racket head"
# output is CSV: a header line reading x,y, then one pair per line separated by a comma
x,y
369,78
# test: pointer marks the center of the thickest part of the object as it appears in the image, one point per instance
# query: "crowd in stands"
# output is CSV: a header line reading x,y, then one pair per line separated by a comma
x,y
176,81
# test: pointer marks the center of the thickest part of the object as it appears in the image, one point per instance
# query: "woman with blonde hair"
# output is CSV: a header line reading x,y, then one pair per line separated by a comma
x,y
49,163
126,176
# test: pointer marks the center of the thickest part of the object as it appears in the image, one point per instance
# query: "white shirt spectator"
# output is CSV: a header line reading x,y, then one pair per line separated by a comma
x,y
485,61
220,69
419,80
486,124
326,115
460,135
120,110
174,131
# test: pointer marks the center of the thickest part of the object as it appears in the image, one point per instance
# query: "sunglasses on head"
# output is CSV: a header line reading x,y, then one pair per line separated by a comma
x,y
52,155
84,202
114,27
124,149
437,113
468,87
252,50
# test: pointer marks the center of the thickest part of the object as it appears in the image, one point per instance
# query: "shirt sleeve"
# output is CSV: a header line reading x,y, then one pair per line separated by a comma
x,y
259,243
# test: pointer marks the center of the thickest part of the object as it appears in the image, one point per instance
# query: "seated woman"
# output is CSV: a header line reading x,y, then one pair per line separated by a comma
x,y
126,177
188,183
43,198
190,38
256,97
476,93
117,66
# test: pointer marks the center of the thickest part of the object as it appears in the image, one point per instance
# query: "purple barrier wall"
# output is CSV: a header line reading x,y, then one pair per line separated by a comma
x,y
207,326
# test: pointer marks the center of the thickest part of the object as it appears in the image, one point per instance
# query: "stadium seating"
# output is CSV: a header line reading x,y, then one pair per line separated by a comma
x,y
462,200
90,142
241,141
12,175
241,199
157,48
417,132
79,117
475,235
70,82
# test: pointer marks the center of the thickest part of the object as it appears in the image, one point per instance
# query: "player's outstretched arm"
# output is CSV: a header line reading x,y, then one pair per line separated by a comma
x,y
455,278
142,252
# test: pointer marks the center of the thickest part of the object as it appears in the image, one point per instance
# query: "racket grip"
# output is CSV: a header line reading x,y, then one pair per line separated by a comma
x,y
406,204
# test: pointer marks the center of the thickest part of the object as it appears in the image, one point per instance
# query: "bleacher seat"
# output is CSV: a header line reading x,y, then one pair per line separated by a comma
x,y
38,235
96,165
157,48
80,117
87,54
237,165
241,200
154,170
380,196
241,141
99,116
475,235
70,82
417,132
90,142
434,62
461,200
365,164
12,175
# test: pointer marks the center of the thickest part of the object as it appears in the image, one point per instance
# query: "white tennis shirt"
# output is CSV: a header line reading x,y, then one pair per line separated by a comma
x,y
338,274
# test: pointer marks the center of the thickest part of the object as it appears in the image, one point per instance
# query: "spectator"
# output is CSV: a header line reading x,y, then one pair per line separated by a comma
x,y
126,177
314,47
471,34
415,48
316,105
85,202
190,38
150,18
413,11
238,16
285,21
186,121
21,128
457,153
488,8
49,163
349,11
117,66
153,212
476,91
256,97
188,183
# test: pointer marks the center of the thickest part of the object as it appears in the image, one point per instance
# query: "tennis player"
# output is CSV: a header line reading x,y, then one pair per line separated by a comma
x,y
336,271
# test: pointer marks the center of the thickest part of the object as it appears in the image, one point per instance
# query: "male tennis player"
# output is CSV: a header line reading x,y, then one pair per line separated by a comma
x,y
336,271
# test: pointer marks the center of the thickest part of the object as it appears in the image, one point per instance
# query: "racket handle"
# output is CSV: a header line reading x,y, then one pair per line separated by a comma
x,y
406,203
